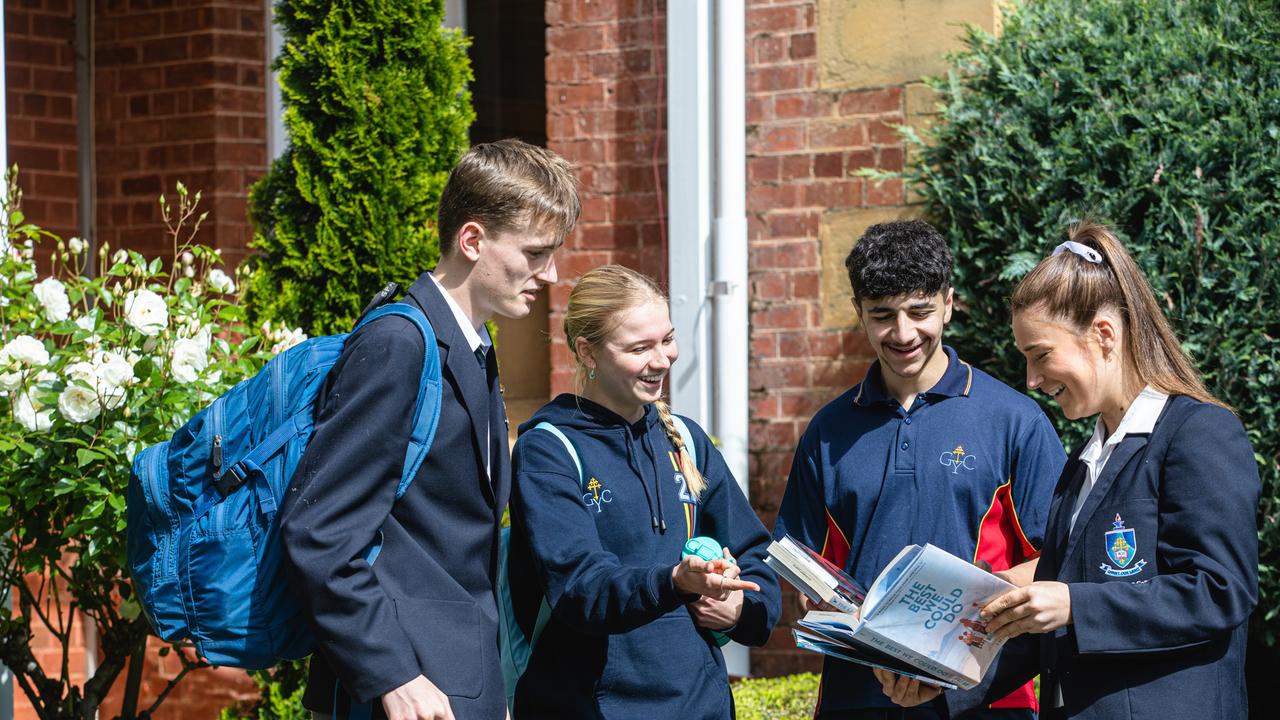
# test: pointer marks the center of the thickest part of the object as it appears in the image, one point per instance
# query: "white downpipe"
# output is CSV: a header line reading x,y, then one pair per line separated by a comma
x,y
707,257
730,340
689,208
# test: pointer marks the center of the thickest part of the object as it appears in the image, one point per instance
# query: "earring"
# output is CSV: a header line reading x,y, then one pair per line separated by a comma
x,y
591,373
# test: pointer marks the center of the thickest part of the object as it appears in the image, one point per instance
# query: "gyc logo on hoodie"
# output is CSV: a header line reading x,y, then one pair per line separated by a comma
x,y
598,496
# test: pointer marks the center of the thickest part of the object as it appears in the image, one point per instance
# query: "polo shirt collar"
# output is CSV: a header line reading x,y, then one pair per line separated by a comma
x,y
474,339
956,381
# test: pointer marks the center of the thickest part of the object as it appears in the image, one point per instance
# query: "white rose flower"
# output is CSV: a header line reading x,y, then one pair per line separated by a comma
x,y
52,295
10,381
75,245
187,257
79,404
189,358
113,369
287,338
25,350
120,257
30,415
146,312
188,271
220,282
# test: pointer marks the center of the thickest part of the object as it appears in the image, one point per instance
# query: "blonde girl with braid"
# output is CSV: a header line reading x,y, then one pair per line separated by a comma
x,y
610,485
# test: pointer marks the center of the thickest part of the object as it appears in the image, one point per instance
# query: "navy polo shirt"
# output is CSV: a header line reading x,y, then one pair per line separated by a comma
x,y
970,468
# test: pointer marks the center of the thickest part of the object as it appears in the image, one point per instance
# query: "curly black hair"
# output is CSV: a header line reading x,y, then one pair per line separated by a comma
x,y
896,258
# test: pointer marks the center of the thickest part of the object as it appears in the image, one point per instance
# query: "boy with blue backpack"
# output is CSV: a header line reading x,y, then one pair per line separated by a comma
x,y
414,635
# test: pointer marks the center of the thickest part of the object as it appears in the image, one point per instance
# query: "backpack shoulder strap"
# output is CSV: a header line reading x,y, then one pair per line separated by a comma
x,y
426,413
687,438
568,445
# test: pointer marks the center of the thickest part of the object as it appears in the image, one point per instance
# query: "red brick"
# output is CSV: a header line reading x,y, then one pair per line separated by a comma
x,y
769,286
859,159
792,224
889,192
828,165
872,102
882,132
834,193
575,39
837,135
765,197
783,373
776,139
566,96
890,159
776,78
796,167
762,169
768,48
776,19
803,46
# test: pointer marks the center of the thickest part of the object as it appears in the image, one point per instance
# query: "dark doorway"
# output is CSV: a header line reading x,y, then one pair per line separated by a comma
x,y
508,54
508,58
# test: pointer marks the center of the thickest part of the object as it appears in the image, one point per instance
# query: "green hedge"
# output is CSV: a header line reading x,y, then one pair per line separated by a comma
x,y
792,697
1161,117
377,111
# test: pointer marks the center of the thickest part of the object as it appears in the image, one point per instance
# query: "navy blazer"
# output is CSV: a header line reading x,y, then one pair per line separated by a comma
x,y
1162,569
426,606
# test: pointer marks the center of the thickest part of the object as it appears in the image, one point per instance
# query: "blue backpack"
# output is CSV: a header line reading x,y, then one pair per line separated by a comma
x,y
516,647
203,537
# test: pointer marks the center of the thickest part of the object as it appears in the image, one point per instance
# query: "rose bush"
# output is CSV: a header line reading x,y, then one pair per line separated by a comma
x,y
91,370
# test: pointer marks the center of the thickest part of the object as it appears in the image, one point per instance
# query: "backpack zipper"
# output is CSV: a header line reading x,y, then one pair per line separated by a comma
x,y
157,493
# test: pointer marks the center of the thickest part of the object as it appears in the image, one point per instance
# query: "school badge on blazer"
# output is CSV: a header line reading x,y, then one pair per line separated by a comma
x,y
1122,548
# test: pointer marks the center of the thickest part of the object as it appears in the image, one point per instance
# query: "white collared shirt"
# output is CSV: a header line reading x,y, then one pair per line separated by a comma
x,y
1139,419
474,340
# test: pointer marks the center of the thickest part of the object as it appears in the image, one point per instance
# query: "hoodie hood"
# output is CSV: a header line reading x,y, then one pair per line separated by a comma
x,y
641,443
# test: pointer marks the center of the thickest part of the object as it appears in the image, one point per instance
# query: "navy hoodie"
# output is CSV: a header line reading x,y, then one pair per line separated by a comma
x,y
620,642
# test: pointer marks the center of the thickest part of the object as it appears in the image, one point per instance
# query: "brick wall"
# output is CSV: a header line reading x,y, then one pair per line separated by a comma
x,y
605,112
40,80
803,144
179,96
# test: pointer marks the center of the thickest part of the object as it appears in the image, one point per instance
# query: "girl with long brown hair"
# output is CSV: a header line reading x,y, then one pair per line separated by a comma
x,y
610,485
1150,564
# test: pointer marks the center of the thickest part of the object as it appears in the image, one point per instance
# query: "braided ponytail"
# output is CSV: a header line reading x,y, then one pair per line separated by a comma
x,y
692,478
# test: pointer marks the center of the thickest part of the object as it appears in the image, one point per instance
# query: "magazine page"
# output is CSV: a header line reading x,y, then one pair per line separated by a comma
x,y
930,610
862,655
885,581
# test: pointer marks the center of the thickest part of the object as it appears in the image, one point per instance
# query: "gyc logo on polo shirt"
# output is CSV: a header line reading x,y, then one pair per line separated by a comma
x,y
957,459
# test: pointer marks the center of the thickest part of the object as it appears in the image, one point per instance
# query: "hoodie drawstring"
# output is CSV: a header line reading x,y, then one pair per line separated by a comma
x,y
657,482
631,462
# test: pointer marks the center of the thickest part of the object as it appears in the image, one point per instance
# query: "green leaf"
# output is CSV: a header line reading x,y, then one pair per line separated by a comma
x,y
85,456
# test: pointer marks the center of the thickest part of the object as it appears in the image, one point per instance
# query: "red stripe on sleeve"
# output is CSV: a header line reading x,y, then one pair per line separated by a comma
x,y
1002,544
835,547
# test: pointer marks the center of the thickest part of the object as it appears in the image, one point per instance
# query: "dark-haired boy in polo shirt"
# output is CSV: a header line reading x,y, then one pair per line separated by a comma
x,y
926,448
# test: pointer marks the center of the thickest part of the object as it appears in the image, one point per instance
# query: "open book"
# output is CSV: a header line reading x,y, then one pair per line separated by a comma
x,y
921,612
814,575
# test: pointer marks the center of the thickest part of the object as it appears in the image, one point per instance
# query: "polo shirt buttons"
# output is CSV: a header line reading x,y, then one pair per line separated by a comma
x,y
908,421
906,445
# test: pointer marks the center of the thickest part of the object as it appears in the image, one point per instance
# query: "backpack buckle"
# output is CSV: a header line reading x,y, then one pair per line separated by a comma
x,y
230,480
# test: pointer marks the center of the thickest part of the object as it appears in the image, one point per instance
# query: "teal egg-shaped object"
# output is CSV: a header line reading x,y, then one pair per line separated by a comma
x,y
704,547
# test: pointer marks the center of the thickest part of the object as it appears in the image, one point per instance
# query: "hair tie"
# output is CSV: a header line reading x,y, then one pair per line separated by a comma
x,y
1082,250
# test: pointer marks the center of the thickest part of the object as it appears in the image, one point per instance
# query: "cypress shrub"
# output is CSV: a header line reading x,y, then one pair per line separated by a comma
x,y
377,111
1158,116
